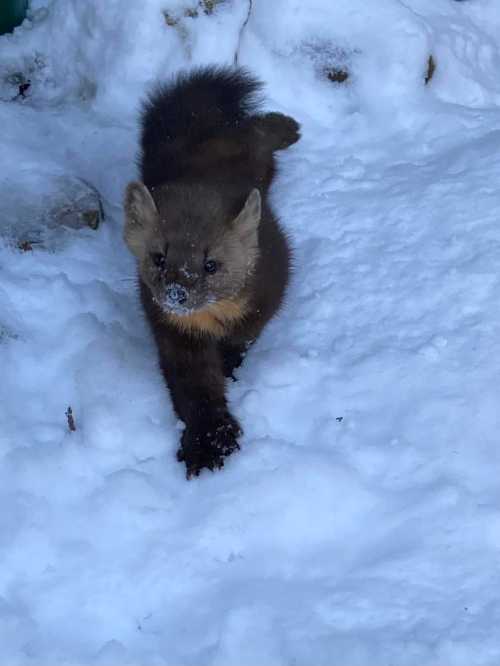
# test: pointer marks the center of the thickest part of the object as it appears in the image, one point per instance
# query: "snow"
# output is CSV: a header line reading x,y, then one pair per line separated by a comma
x,y
360,522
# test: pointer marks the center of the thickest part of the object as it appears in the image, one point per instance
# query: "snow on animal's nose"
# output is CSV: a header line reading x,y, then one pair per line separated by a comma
x,y
176,294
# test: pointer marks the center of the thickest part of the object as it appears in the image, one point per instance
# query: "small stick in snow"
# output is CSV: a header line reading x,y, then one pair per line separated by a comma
x,y
71,420
431,68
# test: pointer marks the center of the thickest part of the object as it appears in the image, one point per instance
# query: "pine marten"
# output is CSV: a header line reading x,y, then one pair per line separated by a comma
x,y
213,262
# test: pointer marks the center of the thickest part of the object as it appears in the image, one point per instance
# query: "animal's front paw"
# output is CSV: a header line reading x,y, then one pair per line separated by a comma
x,y
207,443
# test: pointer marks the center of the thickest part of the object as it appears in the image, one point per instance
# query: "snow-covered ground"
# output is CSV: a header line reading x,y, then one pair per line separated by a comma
x,y
360,523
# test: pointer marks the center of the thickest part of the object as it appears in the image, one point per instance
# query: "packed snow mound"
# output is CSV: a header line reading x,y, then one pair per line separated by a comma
x,y
111,50
360,522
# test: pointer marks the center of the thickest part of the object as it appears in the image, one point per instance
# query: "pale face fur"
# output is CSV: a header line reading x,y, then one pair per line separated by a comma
x,y
181,234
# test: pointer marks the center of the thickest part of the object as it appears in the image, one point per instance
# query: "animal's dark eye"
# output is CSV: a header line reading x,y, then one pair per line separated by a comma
x,y
158,259
211,266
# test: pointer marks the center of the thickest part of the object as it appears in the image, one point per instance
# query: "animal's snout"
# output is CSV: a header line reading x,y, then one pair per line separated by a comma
x,y
176,294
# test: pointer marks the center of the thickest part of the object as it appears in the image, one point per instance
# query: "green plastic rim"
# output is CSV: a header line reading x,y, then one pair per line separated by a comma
x,y
12,13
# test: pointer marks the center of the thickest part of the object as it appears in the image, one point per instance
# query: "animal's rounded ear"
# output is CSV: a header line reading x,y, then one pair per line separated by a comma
x,y
253,206
139,205
248,219
140,215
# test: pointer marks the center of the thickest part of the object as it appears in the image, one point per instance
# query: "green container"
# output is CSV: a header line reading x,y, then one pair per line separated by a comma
x,y
12,13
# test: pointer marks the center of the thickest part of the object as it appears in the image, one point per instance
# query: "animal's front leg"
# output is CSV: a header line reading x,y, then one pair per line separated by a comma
x,y
194,375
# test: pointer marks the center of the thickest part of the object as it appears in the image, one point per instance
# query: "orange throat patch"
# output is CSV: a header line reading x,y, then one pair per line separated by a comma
x,y
214,320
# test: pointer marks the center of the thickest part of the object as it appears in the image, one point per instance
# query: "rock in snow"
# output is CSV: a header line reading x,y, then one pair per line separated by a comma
x,y
37,207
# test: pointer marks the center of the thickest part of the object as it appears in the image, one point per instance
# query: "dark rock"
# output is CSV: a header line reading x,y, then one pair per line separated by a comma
x,y
38,209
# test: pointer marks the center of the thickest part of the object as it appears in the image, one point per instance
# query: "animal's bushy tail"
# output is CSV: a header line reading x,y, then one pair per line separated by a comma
x,y
192,108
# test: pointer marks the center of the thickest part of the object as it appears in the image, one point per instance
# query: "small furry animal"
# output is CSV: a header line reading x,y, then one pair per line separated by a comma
x,y
213,263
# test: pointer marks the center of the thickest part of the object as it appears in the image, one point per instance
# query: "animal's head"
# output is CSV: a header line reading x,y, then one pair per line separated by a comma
x,y
193,249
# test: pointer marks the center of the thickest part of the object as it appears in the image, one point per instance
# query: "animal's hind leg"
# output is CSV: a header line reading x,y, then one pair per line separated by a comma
x,y
232,357
276,131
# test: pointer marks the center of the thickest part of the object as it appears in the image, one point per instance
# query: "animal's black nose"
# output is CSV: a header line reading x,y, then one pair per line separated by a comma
x,y
177,294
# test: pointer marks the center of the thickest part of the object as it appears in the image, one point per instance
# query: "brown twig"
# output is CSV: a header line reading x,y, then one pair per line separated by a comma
x,y
240,36
431,68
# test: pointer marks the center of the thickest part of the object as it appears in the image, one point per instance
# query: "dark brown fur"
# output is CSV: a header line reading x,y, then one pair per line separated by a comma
x,y
207,163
